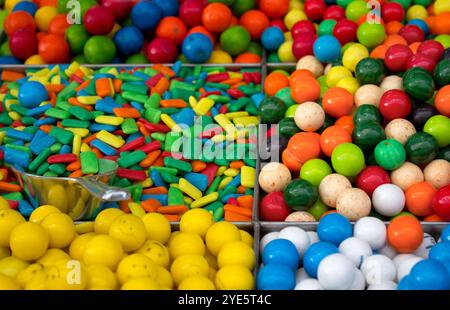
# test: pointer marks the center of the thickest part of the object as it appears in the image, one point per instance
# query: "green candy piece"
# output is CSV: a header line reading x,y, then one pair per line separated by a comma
x,y
348,159
131,159
300,195
272,110
390,154
368,135
421,148
442,73
418,83
129,126
366,113
89,162
177,164
61,135
80,113
288,127
369,71
57,169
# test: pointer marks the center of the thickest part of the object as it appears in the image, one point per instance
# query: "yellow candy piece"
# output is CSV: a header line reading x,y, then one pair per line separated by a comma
x,y
192,101
109,120
220,57
85,227
189,189
109,138
136,209
2,136
225,123
187,200
76,144
205,200
285,52
113,71
246,121
14,116
147,183
221,171
248,176
203,106
225,182
88,99
82,132
84,148
170,122
232,115
231,172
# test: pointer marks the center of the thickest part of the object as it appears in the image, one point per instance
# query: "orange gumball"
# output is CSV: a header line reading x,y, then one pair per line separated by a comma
x,y
290,161
247,58
442,23
414,47
171,28
48,3
395,39
297,75
255,22
405,233
379,51
58,25
332,137
337,102
274,8
305,89
419,197
393,27
216,17
274,82
442,100
430,23
346,122
18,20
54,49
301,147
203,30
433,218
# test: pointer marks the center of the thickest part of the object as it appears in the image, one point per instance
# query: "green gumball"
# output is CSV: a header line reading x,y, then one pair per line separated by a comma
x,y
239,7
369,71
272,110
367,135
77,36
314,170
255,48
285,95
4,49
418,83
137,59
366,113
290,112
99,50
300,195
287,127
235,40
326,27
421,148
371,35
348,159
442,73
318,209
390,154
355,9
439,127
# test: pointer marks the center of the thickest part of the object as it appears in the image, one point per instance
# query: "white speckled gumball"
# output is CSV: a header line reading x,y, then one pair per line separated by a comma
x,y
406,175
274,177
437,173
309,116
391,82
399,129
310,63
330,188
300,216
368,94
353,203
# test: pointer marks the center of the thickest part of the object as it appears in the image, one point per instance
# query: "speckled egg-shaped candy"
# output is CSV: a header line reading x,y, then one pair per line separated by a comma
x,y
368,94
330,188
399,129
300,216
309,116
406,175
274,177
437,173
353,203
391,82
310,63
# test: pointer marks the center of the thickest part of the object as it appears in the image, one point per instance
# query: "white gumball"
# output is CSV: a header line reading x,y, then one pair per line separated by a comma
x,y
400,258
298,237
336,272
404,268
378,268
301,275
388,251
372,230
388,199
313,237
308,285
359,282
427,243
267,238
384,286
356,250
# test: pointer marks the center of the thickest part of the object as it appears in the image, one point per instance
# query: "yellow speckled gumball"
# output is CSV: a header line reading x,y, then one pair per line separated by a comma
x,y
196,283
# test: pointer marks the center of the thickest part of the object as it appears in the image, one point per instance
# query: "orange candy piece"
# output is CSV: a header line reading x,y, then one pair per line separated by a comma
x,y
405,233
337,102
419,197
332,137
274,82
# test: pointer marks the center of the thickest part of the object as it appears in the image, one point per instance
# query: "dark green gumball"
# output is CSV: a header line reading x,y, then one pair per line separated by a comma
x,y
442,73
418,84
288,127
300,195
369,71
444,153
255,48
371,161
367,135
329,121
366,113
421,148
272,110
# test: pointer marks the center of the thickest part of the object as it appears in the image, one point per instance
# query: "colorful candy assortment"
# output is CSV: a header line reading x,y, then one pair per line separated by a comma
x,y
182,138
369,256
203,255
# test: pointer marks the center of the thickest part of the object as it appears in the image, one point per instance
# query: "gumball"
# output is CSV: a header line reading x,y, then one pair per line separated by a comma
x,y
388,199
76,36
168,7
274,82
442,73
300,216
303,27
421,148
368,94
347,159
356,9
294,16
315,254
371,35
216,17
437,173
121,9
327,48
439,127
385,269
191,11
274,177
310,63
303,45
422,61
390,154
19,20
301,147
400,129
272,38
306,89
337,102
440,252
332,137
412,33
326,27
308,285
371,230
99,49
353,55
366,114
356,250
353,203
420,114
23,43
419,197
161,50
331,186
394,104
406,175
281,251
445,234
367,135
432,49
314,170
335,74
58,25
369,71
266,239
392,11
172,28
274,9
391,82
54,49
314,9
397,57
197,48
300,195
272,110
334,228
345,31
275,277
32,94
334,12
298,237
441,203
273,207
309,116
442,100
372,177
129,40
26,6
99,20
146,15
235,40
336,272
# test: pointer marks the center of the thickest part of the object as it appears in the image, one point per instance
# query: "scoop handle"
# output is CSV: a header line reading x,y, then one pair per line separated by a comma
x,y
103,191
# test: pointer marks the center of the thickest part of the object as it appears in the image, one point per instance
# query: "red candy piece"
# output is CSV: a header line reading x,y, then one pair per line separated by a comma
x,y
217,77
13,204
397,57
149,147
273,207
62,158
372,177
394,104
133,144
441,203
412,33
210,172
133,175
151,82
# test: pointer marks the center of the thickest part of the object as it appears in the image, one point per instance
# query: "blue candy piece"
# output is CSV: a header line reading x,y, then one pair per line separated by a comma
x,y
445,235
334,228
107,105
177,67
136,105
98,127
25,208
133,136
429,274
197,179
185,116
440,252
281,251
155,176
225,198
104,148
39,110
17,157
31,94
83,93
167,95
314,255
141,75
275,277
41,141
257,99
45,121
65,149
162,198
235,182
17,134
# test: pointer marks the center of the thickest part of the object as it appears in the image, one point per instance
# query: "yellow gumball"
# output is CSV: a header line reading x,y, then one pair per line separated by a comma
x,y
44,16
58,197
28,241
353,55
38,281
157,227
285,52
188,265
293,16
236,253
138,284
34,60
349,83
60,228
246,238
67,275
219,57
11,266
130,231
416,12
10,4
52,256
196,221
8,284
234,277
212,274
186,243
28,274
157,252
164,278
211,259
136,266
84,227
9,219
102,249
4,204
78,245
288,36
105,218
196,283
296,4
100,277
441,6
38,215
220,234
4,252
335,74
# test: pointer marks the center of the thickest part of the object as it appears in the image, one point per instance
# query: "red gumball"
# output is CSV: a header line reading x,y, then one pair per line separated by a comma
x,y
162,50
412,33
303,45
314,9
335,12
303,27
273,207
421,60
394,104
431,48
121,8
99,20
191,11
345,31
53,49
397,57
278,23
372,177
392,11
441,203
23,43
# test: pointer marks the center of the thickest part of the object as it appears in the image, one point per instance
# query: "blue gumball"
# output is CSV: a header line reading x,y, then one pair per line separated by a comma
x,y
281,251
197,48
315,254
129,40
327,48
275,277
168,7
27,6
445,234
440,252
272,38
146,15
429,274
334,228
421,24
9,60
404,284
31,94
